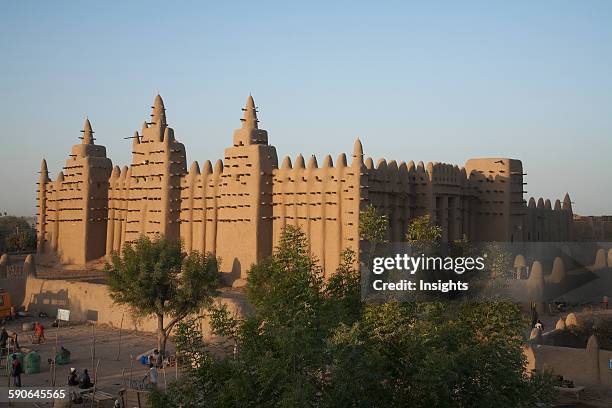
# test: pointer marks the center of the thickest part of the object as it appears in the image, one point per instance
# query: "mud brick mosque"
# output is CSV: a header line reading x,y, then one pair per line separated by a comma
x,y
237,207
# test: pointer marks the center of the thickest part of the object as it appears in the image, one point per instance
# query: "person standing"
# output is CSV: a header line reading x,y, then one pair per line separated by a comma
x,y
39,332
157,359
16,370
3,339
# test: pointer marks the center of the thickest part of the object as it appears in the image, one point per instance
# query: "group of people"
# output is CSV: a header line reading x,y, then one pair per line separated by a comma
x,y
82,381
16,368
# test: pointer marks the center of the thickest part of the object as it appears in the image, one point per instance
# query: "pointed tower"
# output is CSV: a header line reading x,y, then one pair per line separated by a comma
x,y
87,133
357,154
497,212
249,133
41,224
244,234
154,195
81,202
567,203
158,116
568,217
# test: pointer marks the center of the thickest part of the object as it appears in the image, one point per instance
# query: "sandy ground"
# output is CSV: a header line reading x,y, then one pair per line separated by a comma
x,y
112,373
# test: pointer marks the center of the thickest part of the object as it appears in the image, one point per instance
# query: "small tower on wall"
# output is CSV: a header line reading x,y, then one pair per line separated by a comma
x,y
158,163
568,218
42,243
80,202
244,235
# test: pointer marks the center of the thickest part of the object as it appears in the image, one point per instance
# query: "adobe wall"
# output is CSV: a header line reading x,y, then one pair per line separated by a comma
x,y
92,302
199,207
145,200
323,201
16,287
405,191
545,223
237,208
498,185
583,366
592,228
72,210
86,301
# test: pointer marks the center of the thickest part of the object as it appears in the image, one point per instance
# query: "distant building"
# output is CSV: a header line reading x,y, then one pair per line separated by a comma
x,y
237,207
593,228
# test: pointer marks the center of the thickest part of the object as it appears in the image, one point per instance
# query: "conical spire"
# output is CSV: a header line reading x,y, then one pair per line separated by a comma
x,y
158,116
312,162
44,172
115,173
87,132
249,119
357,148
299,162
194,169
218,167
567,203
357,153
286,163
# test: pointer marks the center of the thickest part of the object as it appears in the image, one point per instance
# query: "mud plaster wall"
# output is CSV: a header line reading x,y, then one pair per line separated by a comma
x,y
238,207
92,302
581,366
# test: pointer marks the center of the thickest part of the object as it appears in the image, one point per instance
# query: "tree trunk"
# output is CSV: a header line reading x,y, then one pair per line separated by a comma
x,y
162,349
161,334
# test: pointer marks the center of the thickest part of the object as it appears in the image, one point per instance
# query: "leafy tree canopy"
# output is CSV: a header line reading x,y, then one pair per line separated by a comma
x,y
155,277
311,342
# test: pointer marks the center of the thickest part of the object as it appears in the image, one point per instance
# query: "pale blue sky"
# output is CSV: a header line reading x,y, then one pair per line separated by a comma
x,y
431,81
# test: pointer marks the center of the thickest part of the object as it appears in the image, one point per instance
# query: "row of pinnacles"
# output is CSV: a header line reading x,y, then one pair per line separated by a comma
x,y
28,268
564,350
541,287
564,353
548,224
237,207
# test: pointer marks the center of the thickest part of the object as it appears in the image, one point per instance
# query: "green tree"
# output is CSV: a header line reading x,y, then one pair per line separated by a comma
x,y
373,228
155,277
16,234
21,240
311,342
423,231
